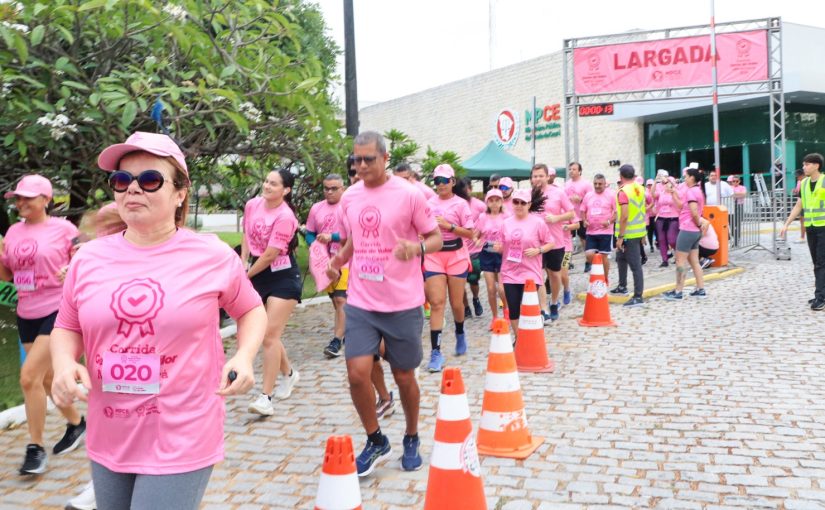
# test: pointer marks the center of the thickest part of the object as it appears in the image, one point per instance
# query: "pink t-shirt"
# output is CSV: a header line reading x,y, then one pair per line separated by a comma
x,y
375,219
34,254
264,227
693,194
426,190
568,235
600,208
709,240
519,235
325,218
454,210
741,189
665,207
491,227
556,202
579,189
507,205
477,208
154,308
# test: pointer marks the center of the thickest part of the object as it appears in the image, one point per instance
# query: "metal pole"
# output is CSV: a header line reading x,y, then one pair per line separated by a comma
x,y
714,76
533,131
350,78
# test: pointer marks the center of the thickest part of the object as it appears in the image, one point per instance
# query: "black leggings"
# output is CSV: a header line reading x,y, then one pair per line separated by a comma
x,y
513,292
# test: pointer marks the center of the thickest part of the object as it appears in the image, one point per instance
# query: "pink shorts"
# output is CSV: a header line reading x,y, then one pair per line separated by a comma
x,y
452,263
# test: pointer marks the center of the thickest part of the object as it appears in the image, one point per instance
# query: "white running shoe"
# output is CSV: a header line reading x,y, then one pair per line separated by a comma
x,y
262,405
285,385
85,500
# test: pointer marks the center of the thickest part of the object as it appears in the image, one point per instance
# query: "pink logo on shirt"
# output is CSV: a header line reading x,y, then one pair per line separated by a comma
x,y
329,223
370,220
137,303
260,233
25,252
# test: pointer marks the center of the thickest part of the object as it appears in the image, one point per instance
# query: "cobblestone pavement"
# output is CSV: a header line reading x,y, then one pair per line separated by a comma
x,y
714,403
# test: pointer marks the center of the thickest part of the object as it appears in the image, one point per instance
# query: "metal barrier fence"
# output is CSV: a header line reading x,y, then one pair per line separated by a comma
x,y
756,213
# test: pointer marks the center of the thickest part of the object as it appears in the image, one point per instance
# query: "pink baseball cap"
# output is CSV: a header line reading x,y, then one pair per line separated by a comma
x,y
31,186
493,193
444,170
731,178
523,194
551,171
649,182
506,181
153,143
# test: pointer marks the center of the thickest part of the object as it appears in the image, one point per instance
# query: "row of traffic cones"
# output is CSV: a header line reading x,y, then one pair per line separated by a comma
x,y
455,481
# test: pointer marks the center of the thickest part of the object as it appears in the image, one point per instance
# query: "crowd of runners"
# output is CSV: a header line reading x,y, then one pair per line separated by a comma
x,y
128,322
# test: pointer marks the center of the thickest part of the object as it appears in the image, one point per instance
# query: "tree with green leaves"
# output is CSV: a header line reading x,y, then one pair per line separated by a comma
x,y
243,87
402,148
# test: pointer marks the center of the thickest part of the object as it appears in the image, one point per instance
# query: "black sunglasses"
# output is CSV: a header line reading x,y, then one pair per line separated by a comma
x,y
493,186
519,202
441,180
148,180
364,159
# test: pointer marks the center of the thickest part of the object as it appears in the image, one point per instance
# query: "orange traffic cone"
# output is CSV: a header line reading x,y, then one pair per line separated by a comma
x,y
597,306
531,351
338,488
503,430
455,471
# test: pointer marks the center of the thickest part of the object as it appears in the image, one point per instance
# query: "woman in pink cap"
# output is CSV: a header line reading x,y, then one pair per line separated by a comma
x,y
34,255
525,238
667,215
447,269
142,307
487,232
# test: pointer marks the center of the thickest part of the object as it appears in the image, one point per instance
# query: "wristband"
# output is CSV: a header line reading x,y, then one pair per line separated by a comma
x,y
423,248
452,227
336,237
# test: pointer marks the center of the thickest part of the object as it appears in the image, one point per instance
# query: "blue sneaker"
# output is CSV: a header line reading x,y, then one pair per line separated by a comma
x,y
411,459
436,361
672,295
371,455
460,344
568,297
554,312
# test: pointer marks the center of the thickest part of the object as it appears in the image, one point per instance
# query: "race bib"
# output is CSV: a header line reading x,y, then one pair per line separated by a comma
x,y
371,269
514,254
280,263
138,374
24,280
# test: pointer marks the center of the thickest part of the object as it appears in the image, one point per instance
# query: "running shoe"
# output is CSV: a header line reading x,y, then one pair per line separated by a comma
x,y
644,258
261,405
85,500
468,314
567,298
700,293
818,305
477,307
634,301
384,408
35,462
286,384
546,317
672,295
620,290
706,263
554,312
664,264
436,361
411,458
570,266
371,455
71,439
333,350
811,301
587,267
460,344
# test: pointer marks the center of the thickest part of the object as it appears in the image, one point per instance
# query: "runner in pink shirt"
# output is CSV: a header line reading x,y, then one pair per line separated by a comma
x,y
525,238
577,188
507,187
667,216
270,228
142,307
487,232
446,270
35,253
477,208
389,227
598,211
690,202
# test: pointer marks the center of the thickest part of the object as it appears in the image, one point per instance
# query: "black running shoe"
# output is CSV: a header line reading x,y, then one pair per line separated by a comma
x,y
477,307
71,439
35,462
333,350
468,314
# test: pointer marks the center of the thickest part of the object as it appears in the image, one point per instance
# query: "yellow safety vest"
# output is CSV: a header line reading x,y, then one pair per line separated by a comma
x,y
813,203
636,226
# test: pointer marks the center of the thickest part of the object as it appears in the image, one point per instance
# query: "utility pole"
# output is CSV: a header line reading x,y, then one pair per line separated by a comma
x,y
350,78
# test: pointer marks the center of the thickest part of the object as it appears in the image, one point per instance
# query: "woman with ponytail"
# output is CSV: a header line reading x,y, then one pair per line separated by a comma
x,y
270,227
690,202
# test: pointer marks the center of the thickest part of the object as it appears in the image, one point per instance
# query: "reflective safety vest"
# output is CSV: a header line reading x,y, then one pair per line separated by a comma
x,y
813,203
636,225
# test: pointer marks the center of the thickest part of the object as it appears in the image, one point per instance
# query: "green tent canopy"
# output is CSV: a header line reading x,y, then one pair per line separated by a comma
x,y
493,160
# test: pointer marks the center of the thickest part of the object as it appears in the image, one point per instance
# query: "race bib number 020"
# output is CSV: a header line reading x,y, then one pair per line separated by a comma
x,y
138,374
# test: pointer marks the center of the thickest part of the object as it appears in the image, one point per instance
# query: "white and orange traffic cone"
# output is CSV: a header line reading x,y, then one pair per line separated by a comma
x,y
455,472
503,430
531,350
597,305
338,487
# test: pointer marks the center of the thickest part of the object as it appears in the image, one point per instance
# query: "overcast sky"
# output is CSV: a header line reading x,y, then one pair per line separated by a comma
x,y
406,46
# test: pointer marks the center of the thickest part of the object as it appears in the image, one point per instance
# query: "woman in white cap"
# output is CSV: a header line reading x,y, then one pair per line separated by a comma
x,y
35,254
142,307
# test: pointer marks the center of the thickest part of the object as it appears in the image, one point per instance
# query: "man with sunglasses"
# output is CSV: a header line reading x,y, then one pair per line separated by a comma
x,y
506,186
385,221
405,171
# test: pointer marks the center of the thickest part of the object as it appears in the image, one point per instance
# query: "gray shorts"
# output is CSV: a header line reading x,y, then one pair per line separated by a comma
x,y
688,241
401,332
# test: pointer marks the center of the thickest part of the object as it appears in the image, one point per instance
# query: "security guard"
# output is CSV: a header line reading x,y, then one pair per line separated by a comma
x,y
630,231
812,203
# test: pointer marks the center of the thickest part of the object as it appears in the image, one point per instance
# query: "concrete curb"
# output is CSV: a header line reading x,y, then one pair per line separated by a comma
x,y
661,289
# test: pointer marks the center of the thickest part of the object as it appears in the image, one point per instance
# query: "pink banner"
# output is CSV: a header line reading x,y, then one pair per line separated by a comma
x,y
669,63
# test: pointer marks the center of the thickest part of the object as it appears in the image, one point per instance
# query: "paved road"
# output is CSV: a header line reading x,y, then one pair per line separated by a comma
x,y
715,403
